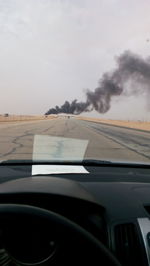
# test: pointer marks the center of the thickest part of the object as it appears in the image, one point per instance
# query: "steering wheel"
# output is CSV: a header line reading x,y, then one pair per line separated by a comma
x,y
35,236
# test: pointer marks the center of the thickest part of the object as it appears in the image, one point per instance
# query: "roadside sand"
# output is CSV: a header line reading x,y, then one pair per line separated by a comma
x,y
130,124
20,118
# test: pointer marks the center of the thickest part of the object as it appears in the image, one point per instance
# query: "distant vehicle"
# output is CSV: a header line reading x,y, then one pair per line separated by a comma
x,y
6,115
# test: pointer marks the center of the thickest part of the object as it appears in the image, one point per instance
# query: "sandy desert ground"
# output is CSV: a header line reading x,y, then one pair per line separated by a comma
x,y
123,123
17,118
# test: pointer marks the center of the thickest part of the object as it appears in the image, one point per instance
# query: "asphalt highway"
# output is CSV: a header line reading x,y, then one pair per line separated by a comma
x,y
104,142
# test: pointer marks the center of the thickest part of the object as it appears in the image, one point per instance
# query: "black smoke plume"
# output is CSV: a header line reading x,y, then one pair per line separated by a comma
x,y
131,77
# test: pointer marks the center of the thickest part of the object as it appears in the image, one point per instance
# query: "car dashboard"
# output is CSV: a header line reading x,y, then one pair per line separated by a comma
x,y
115,209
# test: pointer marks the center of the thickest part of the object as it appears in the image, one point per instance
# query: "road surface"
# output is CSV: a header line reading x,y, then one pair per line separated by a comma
x,y
105,142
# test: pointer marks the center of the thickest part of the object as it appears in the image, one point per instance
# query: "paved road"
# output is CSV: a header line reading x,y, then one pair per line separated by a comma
x,y
104,142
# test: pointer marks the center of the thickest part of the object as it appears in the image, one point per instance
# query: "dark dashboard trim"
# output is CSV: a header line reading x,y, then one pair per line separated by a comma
x,y
144,224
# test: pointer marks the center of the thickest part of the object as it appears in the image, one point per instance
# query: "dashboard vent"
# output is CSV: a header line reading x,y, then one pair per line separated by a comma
x,y
127,245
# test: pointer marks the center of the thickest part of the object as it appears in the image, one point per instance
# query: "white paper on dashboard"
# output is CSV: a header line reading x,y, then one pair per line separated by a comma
x,y
58,149
58,169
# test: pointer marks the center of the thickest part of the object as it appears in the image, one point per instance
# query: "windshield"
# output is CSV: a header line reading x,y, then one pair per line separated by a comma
x,y
75,80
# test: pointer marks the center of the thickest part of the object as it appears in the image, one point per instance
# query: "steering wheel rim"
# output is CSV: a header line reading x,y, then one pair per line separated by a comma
x,y
63,227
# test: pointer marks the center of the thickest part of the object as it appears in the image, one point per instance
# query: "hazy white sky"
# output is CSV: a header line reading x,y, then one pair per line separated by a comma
x,y
51,50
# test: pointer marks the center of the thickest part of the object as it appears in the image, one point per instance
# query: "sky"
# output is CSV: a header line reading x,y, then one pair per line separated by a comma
x,y
53,50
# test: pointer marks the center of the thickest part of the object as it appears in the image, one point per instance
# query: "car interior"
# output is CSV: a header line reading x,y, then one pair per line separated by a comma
x,y
100,218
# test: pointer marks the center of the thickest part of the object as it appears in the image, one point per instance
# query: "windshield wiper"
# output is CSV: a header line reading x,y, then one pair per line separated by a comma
x,y
106,163
64,162
86,162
